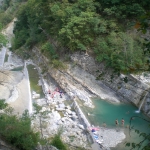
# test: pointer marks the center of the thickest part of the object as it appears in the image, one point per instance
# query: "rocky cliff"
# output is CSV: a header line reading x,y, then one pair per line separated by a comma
x,y
80,79
133,89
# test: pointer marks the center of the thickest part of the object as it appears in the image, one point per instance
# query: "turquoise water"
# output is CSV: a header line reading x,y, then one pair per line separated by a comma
x,y
108,112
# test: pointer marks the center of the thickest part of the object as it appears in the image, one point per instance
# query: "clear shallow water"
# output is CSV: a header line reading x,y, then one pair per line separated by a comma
x,y
108,112
34,78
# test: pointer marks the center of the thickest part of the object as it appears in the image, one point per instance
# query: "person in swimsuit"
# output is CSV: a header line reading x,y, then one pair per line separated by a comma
x,y
122,122
116,122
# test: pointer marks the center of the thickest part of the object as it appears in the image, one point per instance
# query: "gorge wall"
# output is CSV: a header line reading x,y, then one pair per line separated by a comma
x,y
134,90
78,79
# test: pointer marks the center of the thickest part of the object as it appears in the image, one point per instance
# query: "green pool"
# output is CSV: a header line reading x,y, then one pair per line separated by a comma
x,y
107,112
34,78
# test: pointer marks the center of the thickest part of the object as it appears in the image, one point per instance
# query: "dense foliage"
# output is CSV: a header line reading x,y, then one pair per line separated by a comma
x,y
142,144
122,9
3,40
8,10
85,25
17,130
57,142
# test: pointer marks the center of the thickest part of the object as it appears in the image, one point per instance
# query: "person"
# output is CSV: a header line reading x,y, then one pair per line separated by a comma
x,y
49,92
61,93
57,90
122,122
104,124
116,122
132,118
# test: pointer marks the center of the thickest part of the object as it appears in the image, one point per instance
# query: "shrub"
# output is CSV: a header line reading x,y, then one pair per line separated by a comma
x,y
17,131
57,142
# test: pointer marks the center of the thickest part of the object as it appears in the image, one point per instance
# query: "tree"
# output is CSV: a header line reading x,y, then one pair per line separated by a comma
x,y
121,51
3,40
146,137
17,130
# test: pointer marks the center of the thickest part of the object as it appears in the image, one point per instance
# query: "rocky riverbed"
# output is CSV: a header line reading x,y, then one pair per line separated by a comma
x,y
61,116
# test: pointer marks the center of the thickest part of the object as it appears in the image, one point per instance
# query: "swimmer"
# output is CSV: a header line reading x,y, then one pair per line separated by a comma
x,y
116,122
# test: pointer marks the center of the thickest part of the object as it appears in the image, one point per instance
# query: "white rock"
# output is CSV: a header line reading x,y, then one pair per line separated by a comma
x,y
73,113
33,92
62,105
63,119
81,126
68,107
60,109
36,96
69,111
43,109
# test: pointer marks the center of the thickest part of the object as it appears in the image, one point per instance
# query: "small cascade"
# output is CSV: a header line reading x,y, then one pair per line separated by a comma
x,y
26,74
141,104
2,56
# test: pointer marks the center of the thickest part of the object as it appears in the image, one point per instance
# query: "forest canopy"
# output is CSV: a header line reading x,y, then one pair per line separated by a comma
x,y
104,27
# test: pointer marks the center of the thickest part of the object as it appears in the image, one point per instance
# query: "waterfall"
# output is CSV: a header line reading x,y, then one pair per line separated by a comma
x,y
140,106
29,90
2,56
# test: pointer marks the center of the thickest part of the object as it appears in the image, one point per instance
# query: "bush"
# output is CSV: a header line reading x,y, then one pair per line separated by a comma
x,y
5,18
58,64
48,48
17,131
57,142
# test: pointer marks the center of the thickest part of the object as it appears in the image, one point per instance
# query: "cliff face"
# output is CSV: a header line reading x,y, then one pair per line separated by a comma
x,y
79,79
133,90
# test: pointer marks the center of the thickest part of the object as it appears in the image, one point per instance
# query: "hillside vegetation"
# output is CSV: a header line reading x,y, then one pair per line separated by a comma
x,y
104,28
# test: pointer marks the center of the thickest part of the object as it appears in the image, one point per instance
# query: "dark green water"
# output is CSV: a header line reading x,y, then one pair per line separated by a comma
x,y
17,68
109,112
6,58
34,78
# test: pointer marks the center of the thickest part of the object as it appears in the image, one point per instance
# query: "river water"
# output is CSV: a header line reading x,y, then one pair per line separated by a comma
x,y
34,80
107,112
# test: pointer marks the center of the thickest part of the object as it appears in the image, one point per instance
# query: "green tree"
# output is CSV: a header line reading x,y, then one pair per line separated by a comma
x,y
17,130
144,143
121,51
3,40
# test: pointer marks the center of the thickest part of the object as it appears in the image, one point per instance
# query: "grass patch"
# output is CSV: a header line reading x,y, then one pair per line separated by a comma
x,y
61,114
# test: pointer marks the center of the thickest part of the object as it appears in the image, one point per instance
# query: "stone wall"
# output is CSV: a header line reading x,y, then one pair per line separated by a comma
x,y
81,115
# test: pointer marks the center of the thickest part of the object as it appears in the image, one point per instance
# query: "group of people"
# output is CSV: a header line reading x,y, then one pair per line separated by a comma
x,y
122,122
116,122
55,91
